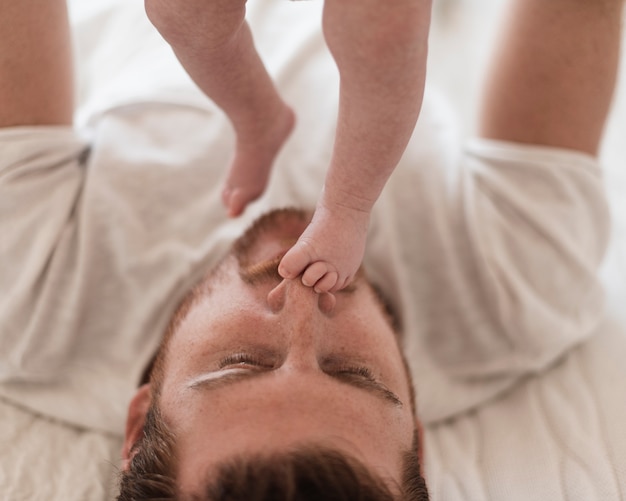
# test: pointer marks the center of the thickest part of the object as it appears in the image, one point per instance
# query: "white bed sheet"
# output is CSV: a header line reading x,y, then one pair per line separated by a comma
x,y
41,459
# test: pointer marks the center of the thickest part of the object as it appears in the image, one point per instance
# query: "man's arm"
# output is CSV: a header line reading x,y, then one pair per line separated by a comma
x,y
36,79
554,73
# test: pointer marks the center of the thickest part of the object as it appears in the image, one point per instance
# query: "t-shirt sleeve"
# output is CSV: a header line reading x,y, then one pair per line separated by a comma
x,y
526,231
41,180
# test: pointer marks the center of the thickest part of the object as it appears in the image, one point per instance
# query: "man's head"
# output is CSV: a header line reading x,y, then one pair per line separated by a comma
x,y
257,370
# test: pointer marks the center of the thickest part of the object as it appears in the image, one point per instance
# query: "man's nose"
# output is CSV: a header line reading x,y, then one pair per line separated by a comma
x,y
292,294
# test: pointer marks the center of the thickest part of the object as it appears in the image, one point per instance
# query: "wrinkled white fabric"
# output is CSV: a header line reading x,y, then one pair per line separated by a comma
x,y
489,255
493,256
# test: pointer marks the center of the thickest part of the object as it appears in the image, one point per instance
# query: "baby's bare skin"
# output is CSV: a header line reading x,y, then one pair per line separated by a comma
x,y
214,44
331,248
380,50
250,169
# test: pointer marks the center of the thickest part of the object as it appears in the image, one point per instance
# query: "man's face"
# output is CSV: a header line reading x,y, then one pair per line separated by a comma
x,y
263,365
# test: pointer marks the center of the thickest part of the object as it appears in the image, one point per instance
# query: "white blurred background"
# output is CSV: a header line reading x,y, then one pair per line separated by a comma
x,y
462,35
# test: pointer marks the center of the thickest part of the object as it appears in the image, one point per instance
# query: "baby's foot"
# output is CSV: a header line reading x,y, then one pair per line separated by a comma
x,y
249,172
330,251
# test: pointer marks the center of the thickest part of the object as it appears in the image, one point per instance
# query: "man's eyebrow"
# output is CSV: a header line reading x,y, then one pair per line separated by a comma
x,y
376,388
262,272
215,380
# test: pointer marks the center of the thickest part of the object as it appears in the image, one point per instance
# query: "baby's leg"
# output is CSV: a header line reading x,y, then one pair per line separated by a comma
x,y
380,49
262,122
214,44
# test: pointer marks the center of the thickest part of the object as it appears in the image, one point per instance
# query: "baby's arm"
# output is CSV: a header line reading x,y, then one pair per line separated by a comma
x,y
214,44
380,48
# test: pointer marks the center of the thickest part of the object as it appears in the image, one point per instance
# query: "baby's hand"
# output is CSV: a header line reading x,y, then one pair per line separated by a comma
x,y
329,252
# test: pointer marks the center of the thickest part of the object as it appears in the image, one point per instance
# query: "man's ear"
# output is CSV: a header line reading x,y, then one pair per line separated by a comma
x,y
135,420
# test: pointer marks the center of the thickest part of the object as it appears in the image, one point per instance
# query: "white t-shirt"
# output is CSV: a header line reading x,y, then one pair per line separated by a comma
x,y
489,252
490,256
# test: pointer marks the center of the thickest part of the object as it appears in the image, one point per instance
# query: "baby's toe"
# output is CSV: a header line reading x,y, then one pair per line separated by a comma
x,y
314,273
340,283
294,262
326,283
237,202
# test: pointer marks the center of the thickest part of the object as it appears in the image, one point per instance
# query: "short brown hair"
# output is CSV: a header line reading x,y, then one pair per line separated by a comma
x,y
307,473
150,474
